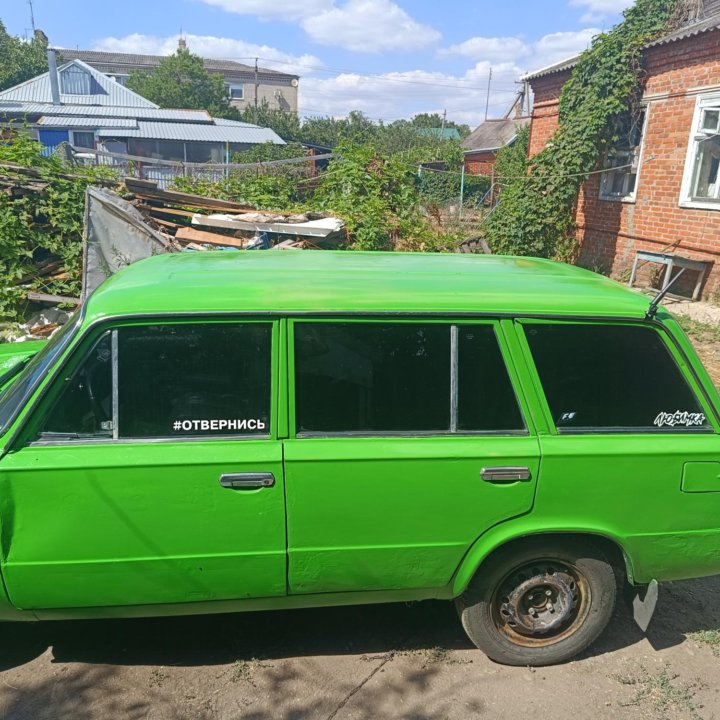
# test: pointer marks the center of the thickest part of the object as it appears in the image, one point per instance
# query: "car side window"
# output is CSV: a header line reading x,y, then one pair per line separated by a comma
x,y
401,378
84,407
194,380
606,378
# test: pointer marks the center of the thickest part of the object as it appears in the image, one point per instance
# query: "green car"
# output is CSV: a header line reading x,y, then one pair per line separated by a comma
x,y
224,431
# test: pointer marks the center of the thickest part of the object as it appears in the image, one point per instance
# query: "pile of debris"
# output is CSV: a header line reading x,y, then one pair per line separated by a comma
x,y
201,223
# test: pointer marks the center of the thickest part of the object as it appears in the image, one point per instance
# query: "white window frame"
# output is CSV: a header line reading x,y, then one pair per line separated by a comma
x,y
704,102
80,130
634,158
232,87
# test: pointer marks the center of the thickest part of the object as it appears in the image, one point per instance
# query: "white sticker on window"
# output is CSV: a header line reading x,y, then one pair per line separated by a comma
x,y
679,419
218,425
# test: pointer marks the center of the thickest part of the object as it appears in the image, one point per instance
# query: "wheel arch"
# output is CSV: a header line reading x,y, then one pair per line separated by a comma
x,y
486,546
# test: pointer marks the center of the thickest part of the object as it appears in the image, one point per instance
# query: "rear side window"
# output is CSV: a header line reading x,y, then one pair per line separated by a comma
x,y
401,378
176,380
612,377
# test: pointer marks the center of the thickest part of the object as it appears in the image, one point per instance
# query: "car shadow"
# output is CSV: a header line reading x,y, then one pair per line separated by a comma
x,y
683,608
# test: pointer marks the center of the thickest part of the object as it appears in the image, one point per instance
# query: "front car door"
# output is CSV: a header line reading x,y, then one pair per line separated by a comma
x,y
408,440
151,471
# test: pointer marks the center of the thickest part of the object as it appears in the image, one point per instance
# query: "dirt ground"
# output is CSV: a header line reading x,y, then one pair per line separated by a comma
x,y
406,662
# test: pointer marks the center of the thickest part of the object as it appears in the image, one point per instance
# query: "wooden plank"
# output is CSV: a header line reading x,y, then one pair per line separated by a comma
x,y
56,299
181,198
199,236
166,223
153,209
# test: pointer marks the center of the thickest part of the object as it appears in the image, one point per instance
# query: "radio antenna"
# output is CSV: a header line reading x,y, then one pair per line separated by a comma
x,y
652,310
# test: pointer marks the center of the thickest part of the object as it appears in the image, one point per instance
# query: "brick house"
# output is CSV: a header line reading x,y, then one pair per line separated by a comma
x,y
660,190
481,147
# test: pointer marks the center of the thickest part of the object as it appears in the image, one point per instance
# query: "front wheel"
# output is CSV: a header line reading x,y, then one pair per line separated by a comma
x,y
539,603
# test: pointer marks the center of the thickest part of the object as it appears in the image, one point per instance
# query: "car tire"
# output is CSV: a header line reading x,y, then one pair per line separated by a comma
x,y
539,602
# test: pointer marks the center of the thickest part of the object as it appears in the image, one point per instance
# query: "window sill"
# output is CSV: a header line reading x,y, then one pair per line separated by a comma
x,y
628,200
700,205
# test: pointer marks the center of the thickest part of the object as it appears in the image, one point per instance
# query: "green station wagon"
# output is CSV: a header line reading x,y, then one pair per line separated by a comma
x,y
230,431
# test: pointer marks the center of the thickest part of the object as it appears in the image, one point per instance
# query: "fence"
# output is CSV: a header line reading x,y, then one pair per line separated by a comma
x,y
164,172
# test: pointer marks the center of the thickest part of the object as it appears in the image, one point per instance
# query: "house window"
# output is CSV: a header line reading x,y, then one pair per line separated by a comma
x,y
622,161
235,92
83,139
119,79
703,170
76,81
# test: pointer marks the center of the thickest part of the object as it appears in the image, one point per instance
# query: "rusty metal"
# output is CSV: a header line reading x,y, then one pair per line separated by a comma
x,y
541,603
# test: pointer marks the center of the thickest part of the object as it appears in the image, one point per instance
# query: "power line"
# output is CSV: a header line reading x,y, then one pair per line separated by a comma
x,y
382,76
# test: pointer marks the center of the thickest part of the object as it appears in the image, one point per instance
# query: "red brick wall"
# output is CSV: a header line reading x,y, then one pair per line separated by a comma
x,y
481,163
611,232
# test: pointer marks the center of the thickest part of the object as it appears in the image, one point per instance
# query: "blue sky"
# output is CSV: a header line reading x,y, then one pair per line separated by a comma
x,y
388,58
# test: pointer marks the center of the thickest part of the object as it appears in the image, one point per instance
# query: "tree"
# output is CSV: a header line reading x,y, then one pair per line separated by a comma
x,y
21,60
181,81
435,120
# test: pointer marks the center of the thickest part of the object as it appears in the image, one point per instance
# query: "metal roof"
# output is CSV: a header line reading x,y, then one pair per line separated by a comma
x,y
130,61
366,282
20,108
86,122
37,90
712,23
566,64
193,132
493,134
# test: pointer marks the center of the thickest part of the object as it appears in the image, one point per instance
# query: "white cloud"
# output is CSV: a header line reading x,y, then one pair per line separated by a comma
x,y
523,54
369,26
493,49
600,9
209,46
290,10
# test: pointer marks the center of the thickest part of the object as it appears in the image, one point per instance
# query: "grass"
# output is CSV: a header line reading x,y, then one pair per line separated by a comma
x,y
699,331
708,638
244,670
661,690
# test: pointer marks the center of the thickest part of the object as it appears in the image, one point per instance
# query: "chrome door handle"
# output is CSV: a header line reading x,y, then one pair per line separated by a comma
x,y
505,474
247,481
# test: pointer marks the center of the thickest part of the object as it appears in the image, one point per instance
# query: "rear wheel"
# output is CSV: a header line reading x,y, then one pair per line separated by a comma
x,y
539,603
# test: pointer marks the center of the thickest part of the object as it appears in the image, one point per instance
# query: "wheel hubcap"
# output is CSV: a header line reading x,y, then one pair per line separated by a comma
x,y
539,603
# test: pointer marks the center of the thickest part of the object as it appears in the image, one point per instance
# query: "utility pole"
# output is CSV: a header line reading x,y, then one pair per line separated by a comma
x,y
32,16
487,102
256,89
442,130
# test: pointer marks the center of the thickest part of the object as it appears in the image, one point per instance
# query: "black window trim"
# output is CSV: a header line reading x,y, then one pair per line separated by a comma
x,y
94,333
696,387
493,321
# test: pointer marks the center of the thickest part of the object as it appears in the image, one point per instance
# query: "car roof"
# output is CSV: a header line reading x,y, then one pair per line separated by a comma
x,y
337,282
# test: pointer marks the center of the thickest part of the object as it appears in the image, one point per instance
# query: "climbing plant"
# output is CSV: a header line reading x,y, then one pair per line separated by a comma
x,y
535,213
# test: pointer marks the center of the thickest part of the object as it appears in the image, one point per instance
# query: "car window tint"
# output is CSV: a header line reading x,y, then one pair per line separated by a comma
x,y
612,377
486,399
194,380
372,377
85,405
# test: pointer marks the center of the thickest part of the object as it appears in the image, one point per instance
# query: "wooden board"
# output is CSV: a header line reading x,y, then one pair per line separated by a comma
x,y
143,190
199,236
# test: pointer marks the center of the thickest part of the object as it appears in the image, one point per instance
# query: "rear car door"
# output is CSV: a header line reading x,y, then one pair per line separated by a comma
x,y
151,472
408,440
633,451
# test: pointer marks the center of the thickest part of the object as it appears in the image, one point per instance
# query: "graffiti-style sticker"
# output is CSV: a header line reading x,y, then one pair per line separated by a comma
x,y
218,425
679,418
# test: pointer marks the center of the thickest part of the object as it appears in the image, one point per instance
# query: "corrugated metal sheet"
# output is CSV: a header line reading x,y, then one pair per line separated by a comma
x,y
37,90
86,122
192,132
567,64
712,23
17,108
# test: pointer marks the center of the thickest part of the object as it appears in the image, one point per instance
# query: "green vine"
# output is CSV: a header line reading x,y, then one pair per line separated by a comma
x,y
536,209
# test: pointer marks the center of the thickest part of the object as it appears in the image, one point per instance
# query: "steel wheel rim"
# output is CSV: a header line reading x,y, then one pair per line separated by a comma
x,y
540,603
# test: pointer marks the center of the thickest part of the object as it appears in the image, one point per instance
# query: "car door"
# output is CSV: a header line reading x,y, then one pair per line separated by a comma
x,y
633,451
151,471
408,440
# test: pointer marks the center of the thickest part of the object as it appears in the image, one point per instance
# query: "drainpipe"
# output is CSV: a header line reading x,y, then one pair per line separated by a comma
x,y
54,81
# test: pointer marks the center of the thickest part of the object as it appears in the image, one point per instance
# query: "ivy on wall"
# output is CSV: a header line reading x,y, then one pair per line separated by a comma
x,y
536,209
